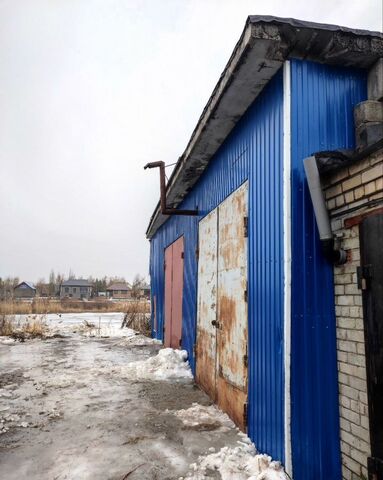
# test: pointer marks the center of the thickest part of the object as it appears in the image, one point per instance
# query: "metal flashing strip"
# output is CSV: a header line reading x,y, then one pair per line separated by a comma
x,y
287,256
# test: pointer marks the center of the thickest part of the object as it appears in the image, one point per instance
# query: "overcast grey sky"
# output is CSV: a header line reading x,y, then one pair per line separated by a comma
x,y
90,91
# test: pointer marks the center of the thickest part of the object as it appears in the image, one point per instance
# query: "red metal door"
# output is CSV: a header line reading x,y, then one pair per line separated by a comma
x,y
168,294
177,289
174,275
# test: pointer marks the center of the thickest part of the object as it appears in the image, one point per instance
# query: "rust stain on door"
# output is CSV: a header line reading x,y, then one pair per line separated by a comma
x,y
174,273
222,329
232,306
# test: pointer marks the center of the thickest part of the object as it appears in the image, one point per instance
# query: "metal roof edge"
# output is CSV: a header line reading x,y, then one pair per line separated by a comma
x,y
265,43
296,23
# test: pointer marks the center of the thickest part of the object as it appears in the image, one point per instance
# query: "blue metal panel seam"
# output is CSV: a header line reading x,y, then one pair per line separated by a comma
x,y
323,98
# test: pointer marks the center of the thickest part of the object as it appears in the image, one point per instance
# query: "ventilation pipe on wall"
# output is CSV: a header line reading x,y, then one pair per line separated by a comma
x,y
337,256
164,209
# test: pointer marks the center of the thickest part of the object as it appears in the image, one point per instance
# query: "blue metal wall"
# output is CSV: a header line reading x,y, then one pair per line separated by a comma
x,y
266,271
253,150
323,98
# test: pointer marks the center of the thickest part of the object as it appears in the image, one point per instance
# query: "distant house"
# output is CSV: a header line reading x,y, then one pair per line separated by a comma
x,y
24,290
119,291
79,289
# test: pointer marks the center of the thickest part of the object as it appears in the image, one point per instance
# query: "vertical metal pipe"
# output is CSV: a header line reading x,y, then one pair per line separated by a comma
x,y
326,236
164,209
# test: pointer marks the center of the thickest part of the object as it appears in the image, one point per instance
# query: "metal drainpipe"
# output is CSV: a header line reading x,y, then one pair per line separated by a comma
x,y
337,256
164,209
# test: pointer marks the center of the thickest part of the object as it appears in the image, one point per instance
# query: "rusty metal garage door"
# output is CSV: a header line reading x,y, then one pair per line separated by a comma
x,y
174,274
221,351
207,304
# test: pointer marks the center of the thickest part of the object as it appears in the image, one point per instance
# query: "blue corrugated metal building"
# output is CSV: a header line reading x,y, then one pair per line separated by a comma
x,y
288,90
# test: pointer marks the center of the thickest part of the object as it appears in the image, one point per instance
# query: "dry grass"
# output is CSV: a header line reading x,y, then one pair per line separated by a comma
x,y
6,326
34,327
47,305
137,318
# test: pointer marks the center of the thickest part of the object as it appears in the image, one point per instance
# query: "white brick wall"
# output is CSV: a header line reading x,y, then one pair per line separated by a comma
x,y
348,188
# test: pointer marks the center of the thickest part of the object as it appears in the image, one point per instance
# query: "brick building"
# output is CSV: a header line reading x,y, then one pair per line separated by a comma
x,y
353,187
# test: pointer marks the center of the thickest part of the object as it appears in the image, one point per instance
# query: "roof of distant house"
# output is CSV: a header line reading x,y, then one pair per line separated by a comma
x,y
119,286
76,283
28,284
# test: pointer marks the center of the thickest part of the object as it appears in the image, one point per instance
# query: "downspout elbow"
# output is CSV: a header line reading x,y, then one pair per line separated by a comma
x,y
336,256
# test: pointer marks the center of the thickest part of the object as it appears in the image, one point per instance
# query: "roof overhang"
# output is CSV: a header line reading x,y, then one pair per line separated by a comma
x,y
265,44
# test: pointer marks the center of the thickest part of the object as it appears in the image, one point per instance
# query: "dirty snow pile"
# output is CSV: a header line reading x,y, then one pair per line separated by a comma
x,y
139,340
206,416
238,463
7,341
168,364
105,330
242,462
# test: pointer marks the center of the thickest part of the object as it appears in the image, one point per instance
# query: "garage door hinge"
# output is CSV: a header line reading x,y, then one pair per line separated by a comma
x,y
182,254
197,253
245,227
195,350
364,274
245,413
245,295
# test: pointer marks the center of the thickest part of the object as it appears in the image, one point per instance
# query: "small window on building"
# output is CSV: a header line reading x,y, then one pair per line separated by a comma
x,y
74,289
66,289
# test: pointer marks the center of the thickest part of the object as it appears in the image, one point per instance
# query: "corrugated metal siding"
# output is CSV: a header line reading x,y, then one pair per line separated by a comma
x,y
266,378
323,98
253,149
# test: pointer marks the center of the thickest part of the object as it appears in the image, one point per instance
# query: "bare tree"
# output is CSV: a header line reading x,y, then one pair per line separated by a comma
x,y
71,275
138,283
52,284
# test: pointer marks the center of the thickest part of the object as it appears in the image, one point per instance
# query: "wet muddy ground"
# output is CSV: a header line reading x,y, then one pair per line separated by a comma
x,y
65,413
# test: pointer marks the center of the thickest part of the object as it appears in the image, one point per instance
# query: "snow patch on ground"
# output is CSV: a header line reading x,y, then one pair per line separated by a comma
x,y
238,463
168,364
88,324
6,340
200,415
242,462
138,339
